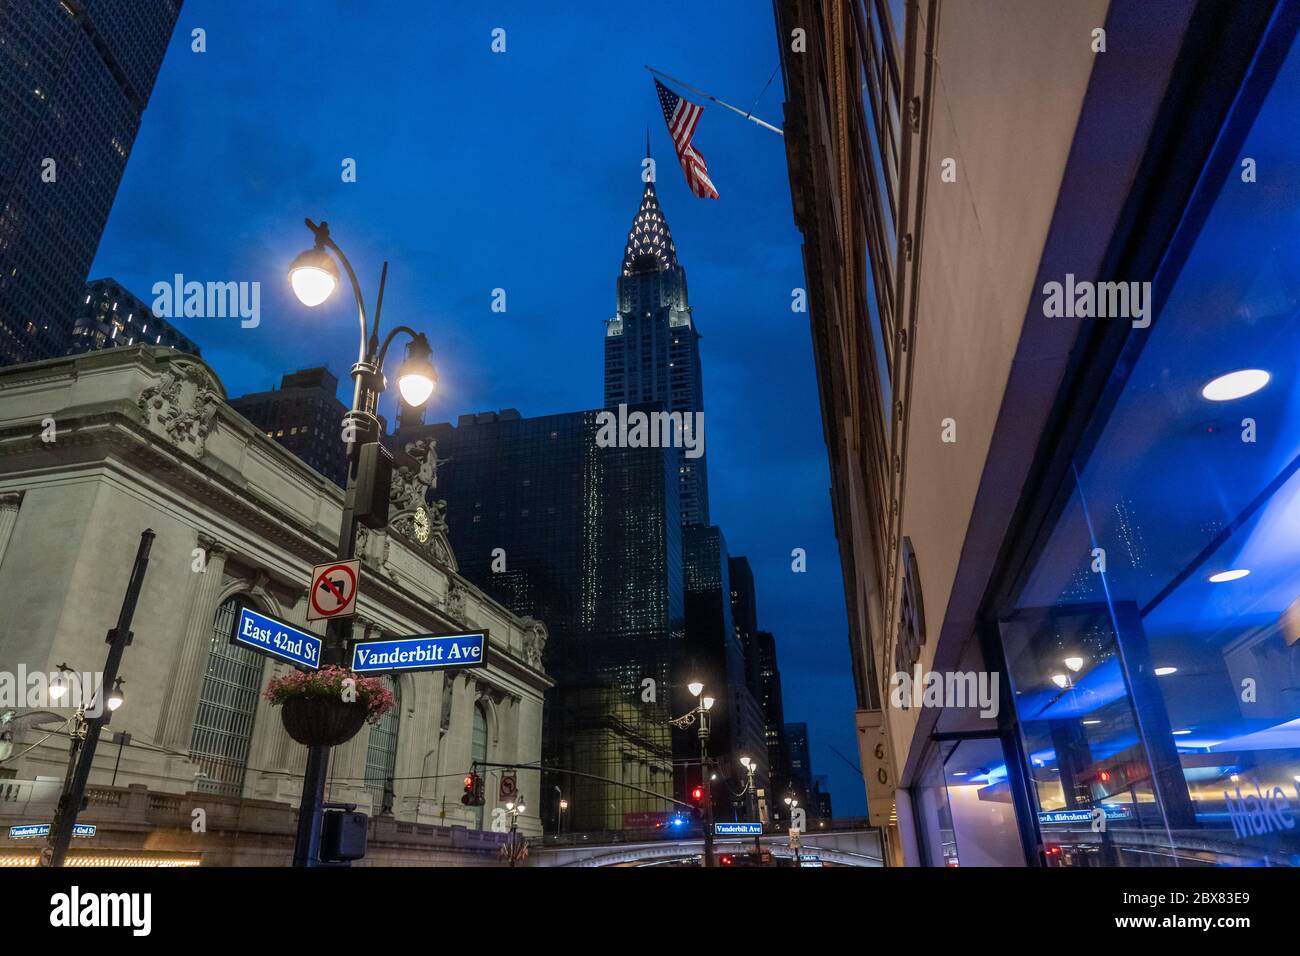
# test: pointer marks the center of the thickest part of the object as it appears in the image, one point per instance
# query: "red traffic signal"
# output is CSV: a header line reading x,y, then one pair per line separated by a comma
x,y
697,794
467,797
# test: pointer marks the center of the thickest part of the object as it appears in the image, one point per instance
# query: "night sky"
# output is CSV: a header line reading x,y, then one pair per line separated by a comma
x,y
520,171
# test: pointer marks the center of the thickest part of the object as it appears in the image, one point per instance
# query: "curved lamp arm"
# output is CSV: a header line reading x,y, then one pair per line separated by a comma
x,y
388,340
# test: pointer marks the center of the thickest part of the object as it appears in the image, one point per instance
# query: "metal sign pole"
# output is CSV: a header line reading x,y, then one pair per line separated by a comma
x,y
65,817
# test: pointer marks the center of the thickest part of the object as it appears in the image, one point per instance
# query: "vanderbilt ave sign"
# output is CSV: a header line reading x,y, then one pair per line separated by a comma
x,y
424,652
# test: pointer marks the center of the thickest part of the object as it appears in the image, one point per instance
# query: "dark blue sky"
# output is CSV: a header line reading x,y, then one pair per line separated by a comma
x,y
520,171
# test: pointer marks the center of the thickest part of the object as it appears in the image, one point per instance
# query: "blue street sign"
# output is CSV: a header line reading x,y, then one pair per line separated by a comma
x,y
276,639
43,830
423,652
1083,816
737,829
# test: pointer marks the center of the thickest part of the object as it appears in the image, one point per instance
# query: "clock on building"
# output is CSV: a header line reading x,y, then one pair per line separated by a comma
x,y
420,525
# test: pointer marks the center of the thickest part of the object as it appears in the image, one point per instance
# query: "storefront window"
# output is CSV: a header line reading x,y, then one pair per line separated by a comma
x,y
1154,650
934,821
966,811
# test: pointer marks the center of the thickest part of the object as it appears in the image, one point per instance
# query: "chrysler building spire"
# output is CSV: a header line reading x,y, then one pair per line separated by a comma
x,y
649,242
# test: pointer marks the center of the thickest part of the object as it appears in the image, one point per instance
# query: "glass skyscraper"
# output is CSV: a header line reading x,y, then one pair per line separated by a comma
x,y
586,539
75,77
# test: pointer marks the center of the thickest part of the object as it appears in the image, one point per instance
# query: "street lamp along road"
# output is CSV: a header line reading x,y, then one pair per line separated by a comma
x,y
752,794
700,714
314,275
514,810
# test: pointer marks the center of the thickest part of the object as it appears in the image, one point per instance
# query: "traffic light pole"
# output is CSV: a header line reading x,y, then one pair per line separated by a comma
x,y
74,792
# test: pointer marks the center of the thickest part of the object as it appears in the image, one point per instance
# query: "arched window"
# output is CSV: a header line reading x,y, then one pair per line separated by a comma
x,y
478,751
223,725
381,754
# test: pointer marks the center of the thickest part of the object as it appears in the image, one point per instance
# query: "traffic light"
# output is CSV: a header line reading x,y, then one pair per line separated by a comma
x,y
468,796
697,794
479,799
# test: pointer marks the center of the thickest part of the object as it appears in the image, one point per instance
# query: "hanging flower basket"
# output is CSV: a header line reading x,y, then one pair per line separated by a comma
x,y
319,721
329,706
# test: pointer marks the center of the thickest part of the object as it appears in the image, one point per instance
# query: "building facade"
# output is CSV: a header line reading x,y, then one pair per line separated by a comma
x,y
145,439
764,679
109,316
75,77
305,416
1045,338
796,737
587,539
652,345
715,657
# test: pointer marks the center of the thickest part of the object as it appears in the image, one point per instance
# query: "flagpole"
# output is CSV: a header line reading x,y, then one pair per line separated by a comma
x,y
707,96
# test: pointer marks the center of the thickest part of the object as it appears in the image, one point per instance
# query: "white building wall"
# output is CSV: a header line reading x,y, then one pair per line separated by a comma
x,y
144,439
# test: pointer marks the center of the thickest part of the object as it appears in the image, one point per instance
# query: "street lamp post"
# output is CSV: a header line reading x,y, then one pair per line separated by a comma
x,y
314,277
793,804
699,714
514,810
752,799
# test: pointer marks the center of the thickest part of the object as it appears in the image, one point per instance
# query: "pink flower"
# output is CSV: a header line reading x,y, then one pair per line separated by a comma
x,y
339,683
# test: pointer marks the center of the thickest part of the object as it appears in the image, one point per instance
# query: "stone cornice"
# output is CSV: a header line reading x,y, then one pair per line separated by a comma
x,y
110,431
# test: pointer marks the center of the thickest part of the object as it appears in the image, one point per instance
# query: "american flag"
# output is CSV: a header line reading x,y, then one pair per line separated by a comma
x,y
682,116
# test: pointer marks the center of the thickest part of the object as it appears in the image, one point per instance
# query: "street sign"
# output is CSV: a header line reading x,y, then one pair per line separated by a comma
x,y
421,652
509,786
276,639
1084,815
333,591
30,830
737,829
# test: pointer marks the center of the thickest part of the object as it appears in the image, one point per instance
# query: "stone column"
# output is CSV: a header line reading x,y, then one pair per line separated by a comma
x,y
417,748
10,501
454,752
181,699
272,749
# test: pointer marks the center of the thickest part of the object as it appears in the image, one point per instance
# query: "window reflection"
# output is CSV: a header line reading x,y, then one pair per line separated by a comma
x,y
1153,648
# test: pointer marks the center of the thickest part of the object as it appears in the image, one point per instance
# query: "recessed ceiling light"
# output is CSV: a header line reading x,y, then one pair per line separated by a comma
x,y
1236,384
1179,733
1166,671
1090,723
1236,574
960,773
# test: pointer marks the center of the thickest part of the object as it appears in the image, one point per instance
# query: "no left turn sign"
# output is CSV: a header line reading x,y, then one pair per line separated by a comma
x,y
333,590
